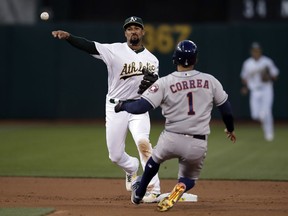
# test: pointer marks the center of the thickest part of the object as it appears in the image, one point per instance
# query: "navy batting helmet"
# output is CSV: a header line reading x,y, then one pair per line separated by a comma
x,y
185,53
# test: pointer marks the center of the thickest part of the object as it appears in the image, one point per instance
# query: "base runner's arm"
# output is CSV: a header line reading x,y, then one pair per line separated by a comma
x,y
227,115
228,119
135,107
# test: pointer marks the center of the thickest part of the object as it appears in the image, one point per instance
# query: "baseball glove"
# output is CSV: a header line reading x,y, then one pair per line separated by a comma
x,y
265,75
148,79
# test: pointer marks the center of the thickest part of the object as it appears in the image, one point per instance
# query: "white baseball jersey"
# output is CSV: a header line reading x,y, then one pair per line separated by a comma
x,y
125,68
261,95
186,99
252,70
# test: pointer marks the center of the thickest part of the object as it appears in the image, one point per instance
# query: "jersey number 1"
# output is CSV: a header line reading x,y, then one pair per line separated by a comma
x,y
190,103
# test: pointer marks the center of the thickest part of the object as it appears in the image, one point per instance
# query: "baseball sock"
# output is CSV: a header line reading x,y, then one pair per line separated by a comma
x,y
151,169
188,182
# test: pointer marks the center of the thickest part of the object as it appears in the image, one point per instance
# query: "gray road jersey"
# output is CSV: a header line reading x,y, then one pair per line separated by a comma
x,y
186,99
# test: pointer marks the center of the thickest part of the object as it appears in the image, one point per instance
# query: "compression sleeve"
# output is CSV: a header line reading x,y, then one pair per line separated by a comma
x,y
227,115
137,107
83,44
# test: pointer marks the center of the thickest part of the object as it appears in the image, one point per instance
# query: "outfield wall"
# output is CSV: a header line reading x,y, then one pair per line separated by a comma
x,y
41,77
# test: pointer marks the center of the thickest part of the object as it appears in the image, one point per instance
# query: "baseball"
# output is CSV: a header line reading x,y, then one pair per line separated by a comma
x,y
44,16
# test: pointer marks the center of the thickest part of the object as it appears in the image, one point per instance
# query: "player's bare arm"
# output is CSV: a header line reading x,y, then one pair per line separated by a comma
x,y
78,42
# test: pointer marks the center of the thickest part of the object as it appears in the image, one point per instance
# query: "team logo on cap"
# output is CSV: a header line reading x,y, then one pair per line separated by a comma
x,y
133,19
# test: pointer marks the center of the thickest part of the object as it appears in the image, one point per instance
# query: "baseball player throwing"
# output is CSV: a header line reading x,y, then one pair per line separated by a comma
x,y
125,62
257,74
186,97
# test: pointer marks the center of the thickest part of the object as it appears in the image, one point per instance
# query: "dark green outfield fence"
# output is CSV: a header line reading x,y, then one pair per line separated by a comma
x,y
41,77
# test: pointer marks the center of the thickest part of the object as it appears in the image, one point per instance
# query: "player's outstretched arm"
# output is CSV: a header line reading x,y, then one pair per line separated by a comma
x,y
78,42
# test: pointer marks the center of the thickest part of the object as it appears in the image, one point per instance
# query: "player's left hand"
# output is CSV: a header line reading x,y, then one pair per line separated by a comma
x,y
148,79
230,135
118,107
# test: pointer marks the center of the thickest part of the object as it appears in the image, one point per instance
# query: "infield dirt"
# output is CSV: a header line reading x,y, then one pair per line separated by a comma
x,y
90,197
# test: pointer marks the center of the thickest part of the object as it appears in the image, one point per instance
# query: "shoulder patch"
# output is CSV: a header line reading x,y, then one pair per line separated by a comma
x,y
153,88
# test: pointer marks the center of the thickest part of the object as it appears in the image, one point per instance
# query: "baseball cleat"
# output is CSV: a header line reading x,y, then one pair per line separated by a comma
x,y
150,198
129,179
135,185
169,201
186,197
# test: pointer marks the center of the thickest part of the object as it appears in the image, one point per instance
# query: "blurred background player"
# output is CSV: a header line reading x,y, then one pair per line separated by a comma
x,y
125,62
186,97
258,74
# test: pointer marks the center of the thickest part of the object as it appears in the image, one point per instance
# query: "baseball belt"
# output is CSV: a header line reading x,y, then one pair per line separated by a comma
x,y
196,136
202,137
115,101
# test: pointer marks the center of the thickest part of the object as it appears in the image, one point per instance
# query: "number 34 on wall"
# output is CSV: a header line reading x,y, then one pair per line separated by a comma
x,y
164,38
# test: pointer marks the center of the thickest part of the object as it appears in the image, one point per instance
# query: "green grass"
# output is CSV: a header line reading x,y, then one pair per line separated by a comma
x,y
79,150
25,211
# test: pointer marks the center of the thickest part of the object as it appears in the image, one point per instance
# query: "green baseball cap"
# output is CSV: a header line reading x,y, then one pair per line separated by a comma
x,y
133,20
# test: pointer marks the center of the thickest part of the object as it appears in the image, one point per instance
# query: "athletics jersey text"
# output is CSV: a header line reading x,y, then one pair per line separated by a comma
x,y
134,69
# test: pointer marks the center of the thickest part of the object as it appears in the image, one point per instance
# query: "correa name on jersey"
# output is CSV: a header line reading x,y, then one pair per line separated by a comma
x,y
189,84
134,69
